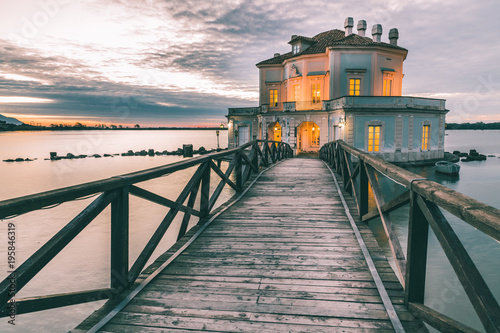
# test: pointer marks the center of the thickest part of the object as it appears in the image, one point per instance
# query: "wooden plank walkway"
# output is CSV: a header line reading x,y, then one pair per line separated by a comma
x,y
284,258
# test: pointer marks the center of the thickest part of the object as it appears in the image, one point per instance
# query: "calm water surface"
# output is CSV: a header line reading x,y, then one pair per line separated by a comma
x,y
481,181
84,264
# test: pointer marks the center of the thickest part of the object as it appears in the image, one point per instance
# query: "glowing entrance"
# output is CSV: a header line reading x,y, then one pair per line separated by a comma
x,y
308,136
274,131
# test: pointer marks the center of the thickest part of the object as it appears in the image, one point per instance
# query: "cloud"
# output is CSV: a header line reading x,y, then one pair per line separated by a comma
x,y
162,60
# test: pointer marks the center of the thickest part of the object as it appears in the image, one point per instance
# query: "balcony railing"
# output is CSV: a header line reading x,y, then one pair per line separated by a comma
x,y
308,105
289,106
384,102
357,102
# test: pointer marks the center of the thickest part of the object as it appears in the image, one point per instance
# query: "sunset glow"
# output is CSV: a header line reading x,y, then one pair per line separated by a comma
x,y
22,100
151,61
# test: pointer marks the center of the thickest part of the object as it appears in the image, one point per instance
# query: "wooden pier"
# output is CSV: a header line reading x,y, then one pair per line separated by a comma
x,y
284,258
290,252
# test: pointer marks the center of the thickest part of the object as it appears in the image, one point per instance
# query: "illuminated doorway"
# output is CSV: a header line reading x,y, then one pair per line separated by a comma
x,y
308,137
274,131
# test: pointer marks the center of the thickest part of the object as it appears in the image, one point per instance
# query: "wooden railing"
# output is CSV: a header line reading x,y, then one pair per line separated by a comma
x,y
115,191
360,172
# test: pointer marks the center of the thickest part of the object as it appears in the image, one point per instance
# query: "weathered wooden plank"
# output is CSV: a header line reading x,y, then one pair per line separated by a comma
x,y
255,272
218,325
318,308
282,259
270,318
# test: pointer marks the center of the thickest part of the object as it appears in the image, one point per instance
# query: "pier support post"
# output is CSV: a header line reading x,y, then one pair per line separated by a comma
x,y
416,262
119,240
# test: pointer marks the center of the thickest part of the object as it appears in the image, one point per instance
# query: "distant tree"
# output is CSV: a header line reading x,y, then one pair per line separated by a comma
x,y
137,126
78,124
120,126
113,126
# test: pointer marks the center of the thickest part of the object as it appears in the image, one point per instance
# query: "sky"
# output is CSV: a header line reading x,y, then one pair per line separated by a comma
x,y
184,62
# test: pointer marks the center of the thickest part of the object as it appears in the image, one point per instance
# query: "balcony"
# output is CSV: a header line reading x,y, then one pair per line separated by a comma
x,y
363,102
384,102
252,111
302,106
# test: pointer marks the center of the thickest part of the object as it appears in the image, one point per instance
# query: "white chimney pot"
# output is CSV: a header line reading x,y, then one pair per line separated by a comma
x,y
393,36
377,32
348,24
361,28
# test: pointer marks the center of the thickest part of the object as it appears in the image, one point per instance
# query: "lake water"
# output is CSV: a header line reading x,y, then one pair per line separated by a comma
x,y
84,264
481,181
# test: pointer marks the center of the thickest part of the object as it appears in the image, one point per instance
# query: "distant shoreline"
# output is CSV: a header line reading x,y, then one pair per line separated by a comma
x,y
56,129
473,126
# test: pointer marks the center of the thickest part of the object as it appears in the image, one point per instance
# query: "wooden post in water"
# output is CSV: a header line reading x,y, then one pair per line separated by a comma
x,y
187,150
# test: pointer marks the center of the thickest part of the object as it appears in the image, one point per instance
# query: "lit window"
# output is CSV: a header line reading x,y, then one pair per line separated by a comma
x,y
374,138
354,87
316,93
425,137
387,87
296,92
273,98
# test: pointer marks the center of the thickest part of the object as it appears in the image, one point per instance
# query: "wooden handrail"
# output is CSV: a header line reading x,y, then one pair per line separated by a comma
x,y
479,215
37,201
425,197
115,191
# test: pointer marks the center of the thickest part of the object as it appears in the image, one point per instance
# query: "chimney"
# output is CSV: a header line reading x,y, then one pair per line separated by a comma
x,y
348,24
393,36
276,55
377,32
361,28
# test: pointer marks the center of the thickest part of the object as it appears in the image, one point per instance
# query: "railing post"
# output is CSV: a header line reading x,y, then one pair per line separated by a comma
x,y
266,153
120,239
205,190
238,169
345,174
363,189
255,159
416,262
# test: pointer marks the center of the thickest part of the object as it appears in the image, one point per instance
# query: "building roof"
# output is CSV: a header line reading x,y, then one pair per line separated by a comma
x,y
327,39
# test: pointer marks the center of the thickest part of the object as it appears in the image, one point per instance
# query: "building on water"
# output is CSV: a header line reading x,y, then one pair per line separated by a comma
x,y
342,85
